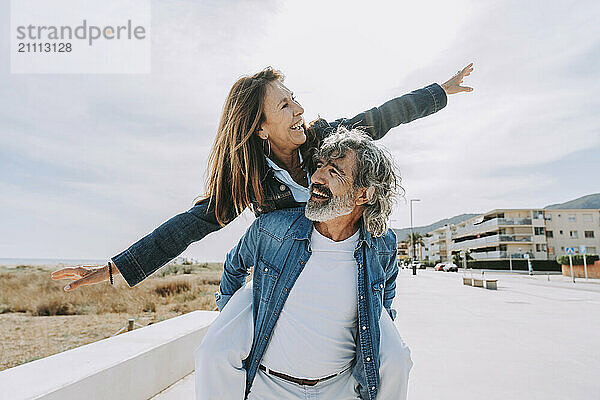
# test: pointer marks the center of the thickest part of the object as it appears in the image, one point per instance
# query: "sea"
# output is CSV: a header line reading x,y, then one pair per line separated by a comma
x,y
66,262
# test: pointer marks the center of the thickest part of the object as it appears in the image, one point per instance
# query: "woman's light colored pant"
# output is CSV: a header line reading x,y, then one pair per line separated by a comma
x,y
220,375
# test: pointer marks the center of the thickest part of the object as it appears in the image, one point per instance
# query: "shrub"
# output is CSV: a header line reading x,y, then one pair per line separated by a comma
x,y
149,306
171,269
52,306
169,288
577,259
5,308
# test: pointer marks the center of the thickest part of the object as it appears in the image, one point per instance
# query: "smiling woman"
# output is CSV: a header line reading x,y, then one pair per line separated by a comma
x,y
262,157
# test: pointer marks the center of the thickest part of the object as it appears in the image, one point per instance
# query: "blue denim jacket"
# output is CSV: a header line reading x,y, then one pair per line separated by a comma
x,y
277,247
171,238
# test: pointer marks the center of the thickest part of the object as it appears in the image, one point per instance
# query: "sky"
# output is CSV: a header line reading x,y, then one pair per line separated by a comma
x,y
90,163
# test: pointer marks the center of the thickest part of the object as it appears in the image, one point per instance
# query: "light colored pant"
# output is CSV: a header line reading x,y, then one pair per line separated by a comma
x,y
220,375
268,387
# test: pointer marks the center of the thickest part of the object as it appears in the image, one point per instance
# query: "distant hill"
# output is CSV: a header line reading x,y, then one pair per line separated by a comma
x,y
402,233
589,201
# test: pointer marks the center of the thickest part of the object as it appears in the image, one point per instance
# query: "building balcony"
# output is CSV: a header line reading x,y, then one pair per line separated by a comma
x,y
492,255
490,225
437,248
493,240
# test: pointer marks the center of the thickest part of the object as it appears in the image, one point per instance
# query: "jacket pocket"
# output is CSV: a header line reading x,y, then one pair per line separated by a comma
x,y
265,280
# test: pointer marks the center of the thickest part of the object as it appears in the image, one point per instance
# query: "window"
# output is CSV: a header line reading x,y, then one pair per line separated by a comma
x,y
548,217
562,248
551,250
538,230
538,214
589,234
561,232
588,218
549,234
572,218
573,234
540,247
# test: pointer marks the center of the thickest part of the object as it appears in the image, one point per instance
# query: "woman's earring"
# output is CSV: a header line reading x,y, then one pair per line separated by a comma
x,y
268,152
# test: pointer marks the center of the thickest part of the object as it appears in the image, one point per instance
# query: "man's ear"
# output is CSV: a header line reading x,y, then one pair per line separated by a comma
x,y
365,195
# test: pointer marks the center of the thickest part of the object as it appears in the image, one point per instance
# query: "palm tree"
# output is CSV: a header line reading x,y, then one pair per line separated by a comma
x,y
417,238
457,258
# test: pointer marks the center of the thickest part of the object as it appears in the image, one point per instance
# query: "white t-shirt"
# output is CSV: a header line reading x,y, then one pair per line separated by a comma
x,y
314,335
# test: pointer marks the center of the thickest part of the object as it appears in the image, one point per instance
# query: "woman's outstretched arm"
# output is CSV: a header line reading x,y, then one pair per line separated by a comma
x,y
152,251
417,104
165,243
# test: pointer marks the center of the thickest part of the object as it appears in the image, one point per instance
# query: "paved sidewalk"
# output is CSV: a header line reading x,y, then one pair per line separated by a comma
x,y
531,339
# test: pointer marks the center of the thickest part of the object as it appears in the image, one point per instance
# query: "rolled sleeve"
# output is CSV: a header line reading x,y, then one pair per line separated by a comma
x,y
129,268
165,243
438,95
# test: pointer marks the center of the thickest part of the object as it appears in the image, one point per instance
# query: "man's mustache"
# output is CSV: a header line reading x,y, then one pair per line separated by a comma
x,y
321,188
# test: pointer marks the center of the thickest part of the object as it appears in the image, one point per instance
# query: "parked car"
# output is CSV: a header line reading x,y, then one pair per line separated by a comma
x,y
450,267
439,267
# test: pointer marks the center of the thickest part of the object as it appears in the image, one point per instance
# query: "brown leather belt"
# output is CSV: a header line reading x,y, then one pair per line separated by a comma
x,y
299,381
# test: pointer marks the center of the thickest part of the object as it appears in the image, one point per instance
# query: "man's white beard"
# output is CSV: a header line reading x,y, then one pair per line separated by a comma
x,y
333,208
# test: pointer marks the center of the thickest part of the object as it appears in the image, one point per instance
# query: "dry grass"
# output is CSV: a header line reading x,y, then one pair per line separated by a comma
x,y
38,318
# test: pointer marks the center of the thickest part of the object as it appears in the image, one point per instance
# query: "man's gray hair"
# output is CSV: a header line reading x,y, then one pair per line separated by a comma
x,y
374,169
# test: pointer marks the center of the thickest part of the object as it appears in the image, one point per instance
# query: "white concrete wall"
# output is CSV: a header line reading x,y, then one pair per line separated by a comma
x,y
135,365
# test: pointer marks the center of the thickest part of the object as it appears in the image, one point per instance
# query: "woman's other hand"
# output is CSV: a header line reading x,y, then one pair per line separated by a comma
x,y
452,85
84,275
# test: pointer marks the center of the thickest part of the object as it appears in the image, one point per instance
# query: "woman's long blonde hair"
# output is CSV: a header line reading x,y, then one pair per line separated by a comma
x,y
237,157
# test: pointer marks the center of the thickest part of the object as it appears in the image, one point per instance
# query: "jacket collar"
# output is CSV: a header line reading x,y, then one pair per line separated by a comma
x,y
304,229
269,167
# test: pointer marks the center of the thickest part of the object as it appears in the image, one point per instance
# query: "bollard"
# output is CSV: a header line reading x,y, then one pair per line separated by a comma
x,y
130,323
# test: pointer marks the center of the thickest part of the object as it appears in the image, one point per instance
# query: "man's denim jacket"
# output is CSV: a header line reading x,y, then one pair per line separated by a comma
x,y
277,247
172,237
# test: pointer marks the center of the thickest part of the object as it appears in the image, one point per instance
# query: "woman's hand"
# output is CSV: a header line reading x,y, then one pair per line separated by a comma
x,y
84,275
452,85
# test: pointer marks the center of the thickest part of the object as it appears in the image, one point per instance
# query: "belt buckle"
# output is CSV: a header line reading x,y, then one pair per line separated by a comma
x,y
309,382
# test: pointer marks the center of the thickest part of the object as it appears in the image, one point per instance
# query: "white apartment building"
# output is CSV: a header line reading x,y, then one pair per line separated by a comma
x,y
512,233
436,244
572,228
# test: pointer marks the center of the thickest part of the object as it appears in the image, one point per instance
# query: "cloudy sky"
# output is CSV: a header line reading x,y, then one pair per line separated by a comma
x,y
91,163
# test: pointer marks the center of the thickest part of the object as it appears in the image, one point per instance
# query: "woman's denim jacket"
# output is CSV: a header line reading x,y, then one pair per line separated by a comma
x,y
277,247
172,237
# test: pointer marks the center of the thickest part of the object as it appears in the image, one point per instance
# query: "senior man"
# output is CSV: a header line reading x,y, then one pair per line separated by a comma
x,y
311,324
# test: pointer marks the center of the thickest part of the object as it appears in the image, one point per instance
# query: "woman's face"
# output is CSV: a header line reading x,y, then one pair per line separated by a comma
x,y
283,125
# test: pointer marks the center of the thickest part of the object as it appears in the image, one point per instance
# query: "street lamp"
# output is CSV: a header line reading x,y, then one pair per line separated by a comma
x,y
412,237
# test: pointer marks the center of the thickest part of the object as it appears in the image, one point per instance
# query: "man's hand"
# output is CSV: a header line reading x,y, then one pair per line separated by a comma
x,y
84,275
452,85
